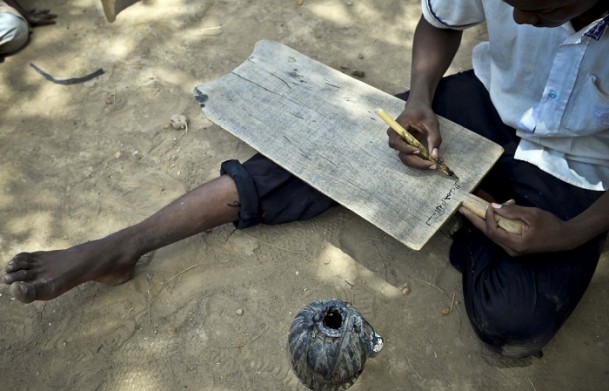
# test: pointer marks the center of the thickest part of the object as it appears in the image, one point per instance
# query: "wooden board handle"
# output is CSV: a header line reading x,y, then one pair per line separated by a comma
x,y
478,206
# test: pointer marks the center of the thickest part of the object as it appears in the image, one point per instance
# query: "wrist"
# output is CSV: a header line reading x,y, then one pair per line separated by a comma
x,y
578,231
418,101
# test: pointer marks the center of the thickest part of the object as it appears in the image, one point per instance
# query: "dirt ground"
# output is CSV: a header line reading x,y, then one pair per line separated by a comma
x,y
212,312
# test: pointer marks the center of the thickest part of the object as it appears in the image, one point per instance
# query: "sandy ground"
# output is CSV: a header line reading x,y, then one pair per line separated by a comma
x,y
212,312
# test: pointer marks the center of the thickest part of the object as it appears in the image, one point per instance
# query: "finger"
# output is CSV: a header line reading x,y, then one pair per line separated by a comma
x,y
399,144
487,225
434,140
408,154
417,130
511,211
477,221
503,238
492,226
499,236
408,124
415,161
511,201
394,139
405,148
395,136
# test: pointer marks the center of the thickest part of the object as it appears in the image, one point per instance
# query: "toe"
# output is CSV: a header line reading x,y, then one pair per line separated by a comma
x,y
19,262
23,292
20,275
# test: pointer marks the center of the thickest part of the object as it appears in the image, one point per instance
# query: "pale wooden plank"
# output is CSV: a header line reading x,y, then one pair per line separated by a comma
x,y
320,125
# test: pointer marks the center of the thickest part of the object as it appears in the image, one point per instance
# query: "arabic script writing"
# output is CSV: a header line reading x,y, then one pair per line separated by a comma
x,y
441,207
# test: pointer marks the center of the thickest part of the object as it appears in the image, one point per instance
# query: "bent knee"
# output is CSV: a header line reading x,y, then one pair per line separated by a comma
x,y
14,33
515,336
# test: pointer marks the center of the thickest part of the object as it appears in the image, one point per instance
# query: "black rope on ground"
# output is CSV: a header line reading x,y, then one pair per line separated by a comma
x,y
74,80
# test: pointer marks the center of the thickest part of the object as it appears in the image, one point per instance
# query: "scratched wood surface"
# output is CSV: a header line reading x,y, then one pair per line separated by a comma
x,y
321,125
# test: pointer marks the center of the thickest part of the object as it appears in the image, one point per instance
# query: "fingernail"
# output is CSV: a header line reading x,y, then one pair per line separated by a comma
x,y
434,153
495,205
433,167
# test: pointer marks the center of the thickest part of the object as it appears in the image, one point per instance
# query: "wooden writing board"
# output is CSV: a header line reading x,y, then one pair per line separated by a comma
x,y
321,125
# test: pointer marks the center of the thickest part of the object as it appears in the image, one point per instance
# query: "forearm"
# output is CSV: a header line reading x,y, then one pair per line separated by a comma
x,y
592,221
433,51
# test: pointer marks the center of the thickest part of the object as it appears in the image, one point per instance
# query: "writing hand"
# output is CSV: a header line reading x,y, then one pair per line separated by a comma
x,y
422,123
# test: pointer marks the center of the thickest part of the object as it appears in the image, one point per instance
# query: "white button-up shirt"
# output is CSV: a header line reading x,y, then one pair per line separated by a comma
x,y
5,8
550,84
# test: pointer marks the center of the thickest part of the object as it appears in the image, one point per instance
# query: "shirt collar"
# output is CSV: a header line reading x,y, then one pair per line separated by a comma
x,y
596,32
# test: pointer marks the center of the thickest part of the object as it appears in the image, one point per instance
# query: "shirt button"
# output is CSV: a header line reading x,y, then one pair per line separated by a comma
x,y
552,94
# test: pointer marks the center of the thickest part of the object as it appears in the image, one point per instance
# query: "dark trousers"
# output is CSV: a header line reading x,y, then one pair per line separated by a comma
x,y
515,305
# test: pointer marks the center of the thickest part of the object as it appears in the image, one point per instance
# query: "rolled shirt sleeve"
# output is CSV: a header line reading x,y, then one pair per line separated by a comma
x,y
453,14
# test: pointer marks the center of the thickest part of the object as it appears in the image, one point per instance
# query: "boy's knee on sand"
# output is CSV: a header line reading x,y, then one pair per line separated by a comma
x,y
14,33
518,333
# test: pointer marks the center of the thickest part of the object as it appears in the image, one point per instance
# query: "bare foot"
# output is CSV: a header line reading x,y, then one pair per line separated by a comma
x,y
45,275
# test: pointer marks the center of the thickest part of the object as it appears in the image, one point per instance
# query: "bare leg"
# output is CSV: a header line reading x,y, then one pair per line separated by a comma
x,y
111,260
